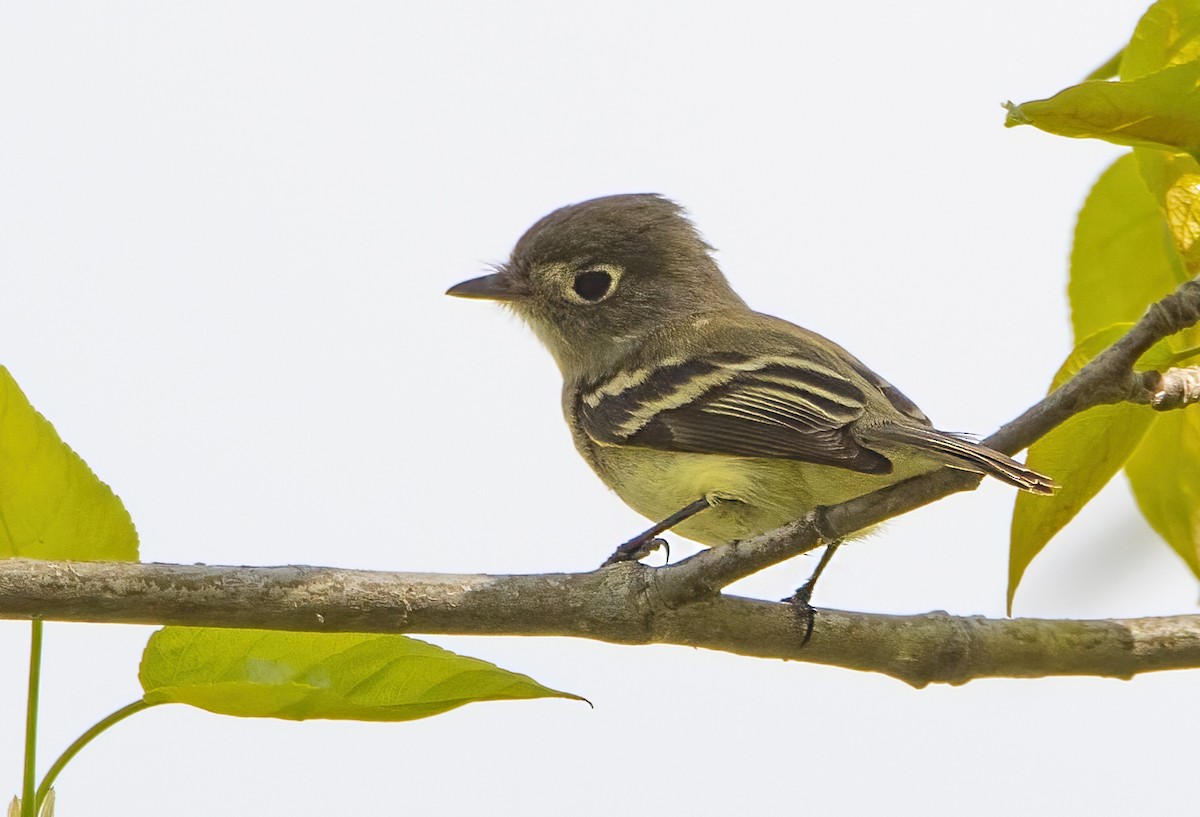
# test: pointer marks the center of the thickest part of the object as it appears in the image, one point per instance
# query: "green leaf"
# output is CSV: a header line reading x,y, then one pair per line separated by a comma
x,y
1159,110
298,676
1164,471
1167,34
1137,239
1164,474
1173,180
1124,256
51,504
1082,454
14,807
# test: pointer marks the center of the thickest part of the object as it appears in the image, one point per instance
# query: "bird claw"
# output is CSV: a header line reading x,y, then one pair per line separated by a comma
x,y
637,549
800,601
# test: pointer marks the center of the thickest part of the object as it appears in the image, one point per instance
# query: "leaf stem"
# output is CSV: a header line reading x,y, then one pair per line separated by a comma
x,y
28,803
83,740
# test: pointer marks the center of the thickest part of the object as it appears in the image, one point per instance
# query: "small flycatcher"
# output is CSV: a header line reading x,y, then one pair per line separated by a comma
x,y
701,413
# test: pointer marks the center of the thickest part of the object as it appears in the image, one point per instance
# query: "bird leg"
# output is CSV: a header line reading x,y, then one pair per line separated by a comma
x,y
803,595
647,541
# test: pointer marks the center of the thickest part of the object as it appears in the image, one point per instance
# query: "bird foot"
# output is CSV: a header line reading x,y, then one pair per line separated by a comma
x,y
637,548
801,603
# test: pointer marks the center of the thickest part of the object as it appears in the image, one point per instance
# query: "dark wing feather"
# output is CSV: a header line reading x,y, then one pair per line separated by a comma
x,y
894,396
773,406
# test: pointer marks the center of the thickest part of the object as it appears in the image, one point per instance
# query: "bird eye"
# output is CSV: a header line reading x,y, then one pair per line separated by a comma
x,y
592,285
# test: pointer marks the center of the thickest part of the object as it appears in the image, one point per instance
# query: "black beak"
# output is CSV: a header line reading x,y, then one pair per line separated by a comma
x,y
498,286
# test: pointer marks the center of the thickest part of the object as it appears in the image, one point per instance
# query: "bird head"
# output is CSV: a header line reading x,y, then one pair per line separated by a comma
x,y
592,279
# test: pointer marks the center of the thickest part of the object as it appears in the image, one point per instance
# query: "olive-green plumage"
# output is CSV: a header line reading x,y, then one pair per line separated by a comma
x,y
675,390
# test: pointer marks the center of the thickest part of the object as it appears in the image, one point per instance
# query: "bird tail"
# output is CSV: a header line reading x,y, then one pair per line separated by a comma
x,y
960,451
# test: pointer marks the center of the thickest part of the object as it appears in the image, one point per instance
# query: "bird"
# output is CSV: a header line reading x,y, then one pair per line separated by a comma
x,y
703,415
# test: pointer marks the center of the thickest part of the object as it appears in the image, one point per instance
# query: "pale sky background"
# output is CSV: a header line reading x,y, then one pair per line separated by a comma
x,y
225,231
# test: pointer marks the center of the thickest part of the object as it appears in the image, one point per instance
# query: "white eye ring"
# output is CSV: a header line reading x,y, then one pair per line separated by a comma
x,y
593,283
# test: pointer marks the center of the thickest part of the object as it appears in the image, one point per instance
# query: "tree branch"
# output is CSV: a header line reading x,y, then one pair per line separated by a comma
x,y
620,604
682,603
1172,389
1107,378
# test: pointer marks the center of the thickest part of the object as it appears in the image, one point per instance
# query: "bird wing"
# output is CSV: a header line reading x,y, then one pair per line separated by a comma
x,y
783,406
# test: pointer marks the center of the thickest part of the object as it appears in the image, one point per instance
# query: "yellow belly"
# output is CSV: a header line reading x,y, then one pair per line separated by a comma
x,y
753,495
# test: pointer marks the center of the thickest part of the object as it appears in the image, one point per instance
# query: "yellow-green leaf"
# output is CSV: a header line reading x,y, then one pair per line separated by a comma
x,y
1173,181
1167,34
298,676
51,504
1124,256
14,807
1164,473
1082,454
1159,110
